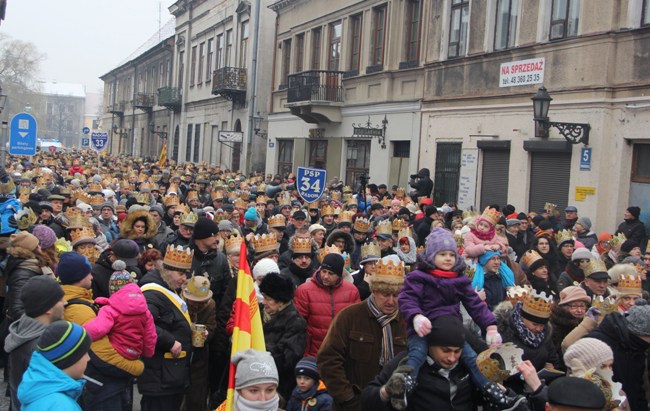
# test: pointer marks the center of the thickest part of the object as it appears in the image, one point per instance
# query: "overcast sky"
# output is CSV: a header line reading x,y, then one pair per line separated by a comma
x,y
84,39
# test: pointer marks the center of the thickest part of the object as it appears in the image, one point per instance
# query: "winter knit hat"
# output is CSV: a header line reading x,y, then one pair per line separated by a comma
x,y
629,245
24,240
264,267
638,318
447,331
440,240
585,222
581,254
307,367
254,367
120,277
635,211
334,263
585,354
63,343
572,294
251,214
277,287
39,294
73,267
46,236
205,228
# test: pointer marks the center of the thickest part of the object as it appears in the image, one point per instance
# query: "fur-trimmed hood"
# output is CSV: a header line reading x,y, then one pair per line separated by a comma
x,y
127,231
349,240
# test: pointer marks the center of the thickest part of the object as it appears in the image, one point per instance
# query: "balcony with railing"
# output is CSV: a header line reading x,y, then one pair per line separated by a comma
x,y
116,108
170,97
316,96
144,101
230,82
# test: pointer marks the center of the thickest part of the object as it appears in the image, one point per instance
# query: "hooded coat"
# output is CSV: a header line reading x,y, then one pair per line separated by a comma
x,y
46,387
423,186
319,304
349,240
22,265
127,231
19,345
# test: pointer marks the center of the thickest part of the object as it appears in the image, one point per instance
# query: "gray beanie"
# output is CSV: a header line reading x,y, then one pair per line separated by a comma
x,y
158,209
254,367
108,204
225,225
638,318
585,222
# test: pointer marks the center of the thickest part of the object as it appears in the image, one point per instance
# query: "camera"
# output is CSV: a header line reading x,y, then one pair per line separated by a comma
x,y
363,179
413,176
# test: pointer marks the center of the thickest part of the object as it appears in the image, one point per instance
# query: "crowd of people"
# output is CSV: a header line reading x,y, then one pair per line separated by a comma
x,y
122,273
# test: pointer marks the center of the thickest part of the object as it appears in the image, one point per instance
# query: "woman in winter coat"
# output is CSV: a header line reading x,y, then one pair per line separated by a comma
x,y
545,246
530,333
319,300
140,227
167,374
285,331
567,315
536,269
25,260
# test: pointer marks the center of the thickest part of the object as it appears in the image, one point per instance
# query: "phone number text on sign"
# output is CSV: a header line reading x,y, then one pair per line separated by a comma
x,y
521,73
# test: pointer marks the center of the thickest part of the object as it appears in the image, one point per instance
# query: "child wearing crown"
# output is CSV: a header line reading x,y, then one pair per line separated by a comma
x,y
435,289
483,236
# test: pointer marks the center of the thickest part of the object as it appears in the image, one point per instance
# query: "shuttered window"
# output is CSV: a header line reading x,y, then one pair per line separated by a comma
x,y
549,180
494,177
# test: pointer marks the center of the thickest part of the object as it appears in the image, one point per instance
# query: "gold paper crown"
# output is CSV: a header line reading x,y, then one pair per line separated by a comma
x,y
327,210
314,206
538,305
241,204
25,190
284,200
530,257
405,232
189,218
233,243
550,207
386,202
301,245
277,220
400,192
26,218
261,188
460,241
629,284
143,198
370,249
497,363
563,236
64,191
390,269
178,259
347,189
154,187
399,224
518,293
217,194
346,216
94,188
384,227
265,242
327,250
182,208
470,214
191,195
595,266
361,225
245,195
491,215
77,220
145,186
261,199
617,240
171,201
604,305
335,195
173,188
81,235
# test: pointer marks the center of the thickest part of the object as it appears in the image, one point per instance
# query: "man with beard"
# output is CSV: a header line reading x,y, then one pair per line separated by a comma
x,y
44,304
301,267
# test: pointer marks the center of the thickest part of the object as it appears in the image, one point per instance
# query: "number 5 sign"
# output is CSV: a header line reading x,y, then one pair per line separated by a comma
x,y
311,183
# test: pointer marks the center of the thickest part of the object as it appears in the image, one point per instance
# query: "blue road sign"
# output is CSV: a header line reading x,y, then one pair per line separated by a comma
x,y
85,130
99,141
311,183
85,142
22,138
585,159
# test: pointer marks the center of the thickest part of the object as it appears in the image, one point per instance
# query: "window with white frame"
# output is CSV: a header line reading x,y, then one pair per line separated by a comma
x,y
565,15
458,28
506,24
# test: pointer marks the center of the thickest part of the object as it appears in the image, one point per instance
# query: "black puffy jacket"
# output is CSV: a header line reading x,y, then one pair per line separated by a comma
x,y
424,185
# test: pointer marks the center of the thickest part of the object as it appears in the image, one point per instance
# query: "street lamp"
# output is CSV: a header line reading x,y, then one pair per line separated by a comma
x,y
574,133
257,123
152,130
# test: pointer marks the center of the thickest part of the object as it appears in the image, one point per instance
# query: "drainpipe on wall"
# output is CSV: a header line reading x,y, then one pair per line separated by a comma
x,y
251,105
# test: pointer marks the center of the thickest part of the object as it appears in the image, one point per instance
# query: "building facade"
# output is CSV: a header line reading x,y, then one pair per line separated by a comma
x,y
139,100
59,111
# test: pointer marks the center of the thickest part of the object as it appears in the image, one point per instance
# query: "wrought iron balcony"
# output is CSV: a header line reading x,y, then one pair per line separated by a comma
x,y
144,101
230,82
170,97
116,108
316,85
316,96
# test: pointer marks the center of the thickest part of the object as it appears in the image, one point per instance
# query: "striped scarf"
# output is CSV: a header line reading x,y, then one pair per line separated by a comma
x,y
387,333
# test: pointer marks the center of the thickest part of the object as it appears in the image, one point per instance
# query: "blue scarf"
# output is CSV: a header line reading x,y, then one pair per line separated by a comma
x,y
506,274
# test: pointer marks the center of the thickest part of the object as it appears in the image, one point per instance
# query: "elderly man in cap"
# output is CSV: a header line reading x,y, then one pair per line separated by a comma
x,y
43,301
362,338
208,261
298,221
441,375
163,232
106,221
319,300
515,240
570,217
596,279
183,234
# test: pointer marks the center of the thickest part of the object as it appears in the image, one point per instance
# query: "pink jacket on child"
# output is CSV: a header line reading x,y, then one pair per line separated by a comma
x,y
126,319
475,247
